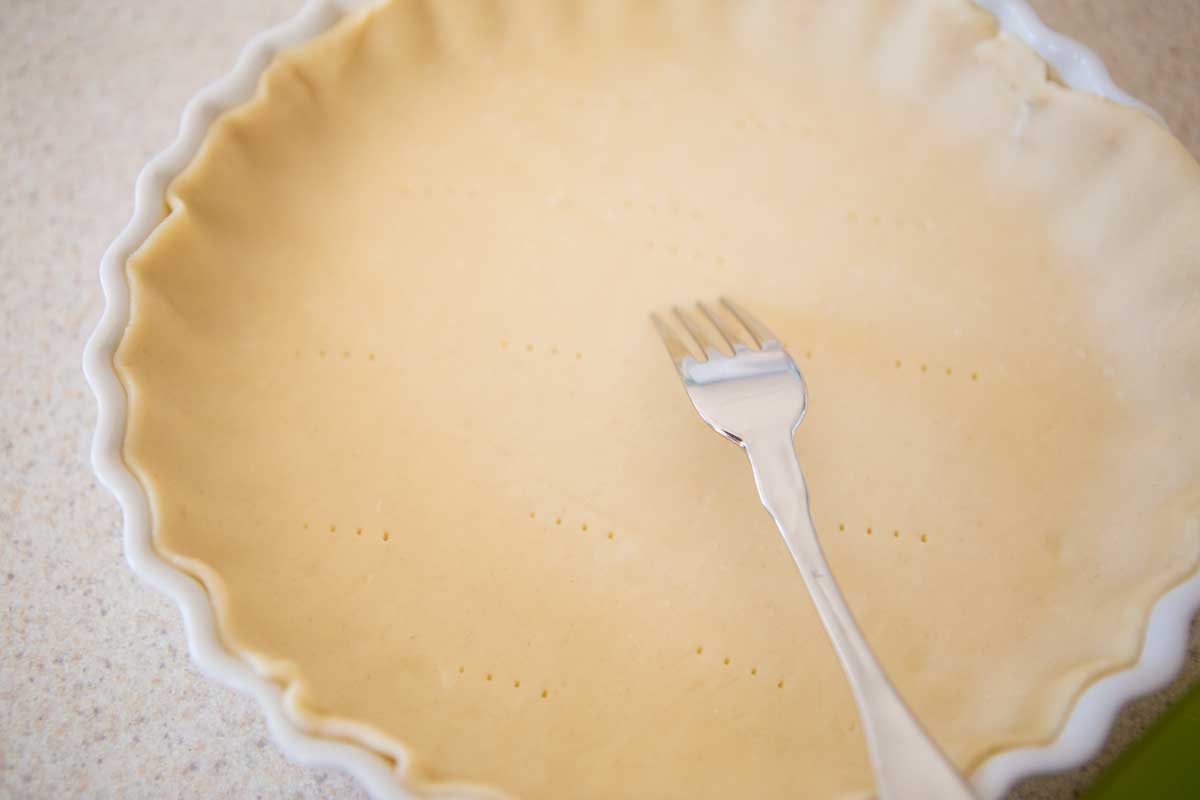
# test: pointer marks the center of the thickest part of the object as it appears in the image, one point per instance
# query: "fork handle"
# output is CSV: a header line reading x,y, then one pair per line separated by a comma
x,y
907,763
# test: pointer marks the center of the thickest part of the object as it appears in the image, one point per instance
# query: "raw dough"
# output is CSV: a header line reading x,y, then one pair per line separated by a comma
x,y
396,400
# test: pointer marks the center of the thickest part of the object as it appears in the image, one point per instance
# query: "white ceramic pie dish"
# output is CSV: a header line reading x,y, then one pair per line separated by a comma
x,y
1081,736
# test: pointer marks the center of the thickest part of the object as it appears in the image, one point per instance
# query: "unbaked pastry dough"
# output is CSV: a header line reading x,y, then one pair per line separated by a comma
x,y
396,401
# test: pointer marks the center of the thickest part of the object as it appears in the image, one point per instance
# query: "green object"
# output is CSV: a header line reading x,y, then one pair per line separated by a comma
x,y
1163,764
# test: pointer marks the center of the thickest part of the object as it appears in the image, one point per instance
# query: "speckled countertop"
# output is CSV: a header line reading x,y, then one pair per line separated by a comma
x,y
97,696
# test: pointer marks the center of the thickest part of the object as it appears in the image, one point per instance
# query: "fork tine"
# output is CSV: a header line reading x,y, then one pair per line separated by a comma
x,y
761,334
730,333
675,346
707,345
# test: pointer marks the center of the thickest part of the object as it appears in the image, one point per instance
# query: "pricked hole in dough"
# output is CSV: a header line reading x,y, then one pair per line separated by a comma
x,y
558,520
489,676
516,684
779,685
610,534
386,536
727,661
545,693
583,527
333,528
699,649
924,538
754,670
870,532
358,532
896,534
841,527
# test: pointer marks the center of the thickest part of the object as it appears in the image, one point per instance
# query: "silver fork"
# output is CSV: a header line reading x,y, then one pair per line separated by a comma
x,y
755,397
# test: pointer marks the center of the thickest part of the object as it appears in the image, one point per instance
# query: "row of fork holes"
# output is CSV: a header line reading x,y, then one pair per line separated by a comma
x,y
386,535
753,672
333,528
947,371
489,677
552,350
894,532
559,523
345,355
727,662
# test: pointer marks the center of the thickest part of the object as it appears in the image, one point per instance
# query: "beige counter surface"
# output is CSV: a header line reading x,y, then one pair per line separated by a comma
x,y
97,695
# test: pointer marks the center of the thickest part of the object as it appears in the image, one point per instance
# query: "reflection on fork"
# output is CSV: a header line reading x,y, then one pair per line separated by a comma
x,y
747,388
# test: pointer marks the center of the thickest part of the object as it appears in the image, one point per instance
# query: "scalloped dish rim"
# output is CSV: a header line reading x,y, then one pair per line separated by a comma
x,y
1081,736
